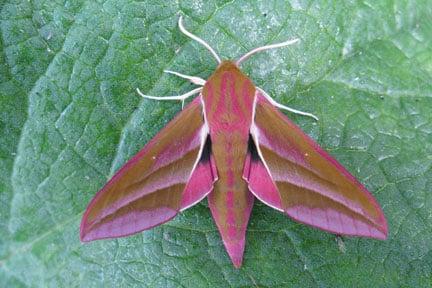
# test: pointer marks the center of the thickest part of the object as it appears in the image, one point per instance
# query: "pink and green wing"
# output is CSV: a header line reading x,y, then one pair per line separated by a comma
x,y
171,173
288,171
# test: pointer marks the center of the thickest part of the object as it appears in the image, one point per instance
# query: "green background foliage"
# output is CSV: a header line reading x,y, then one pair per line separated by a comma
x,y
70,117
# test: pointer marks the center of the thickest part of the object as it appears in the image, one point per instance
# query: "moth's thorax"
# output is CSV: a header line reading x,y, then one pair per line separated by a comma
x,y
228,97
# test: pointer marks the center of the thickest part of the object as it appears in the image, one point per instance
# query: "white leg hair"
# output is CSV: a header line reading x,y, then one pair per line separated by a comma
x,y
195,80
281,106
196,38
266,47
182,97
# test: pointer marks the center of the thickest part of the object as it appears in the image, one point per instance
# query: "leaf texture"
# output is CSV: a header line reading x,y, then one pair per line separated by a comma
x,y
70,118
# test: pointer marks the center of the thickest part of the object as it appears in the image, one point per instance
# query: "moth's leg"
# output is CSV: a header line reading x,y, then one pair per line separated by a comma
x,y
266,47
195,80
281,106
182,97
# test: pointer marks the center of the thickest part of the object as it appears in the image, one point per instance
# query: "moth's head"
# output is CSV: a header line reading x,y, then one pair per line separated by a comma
x,y
227,65
227,68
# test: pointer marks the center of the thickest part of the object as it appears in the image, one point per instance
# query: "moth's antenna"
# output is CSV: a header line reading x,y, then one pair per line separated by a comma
x,y
267,47
196,38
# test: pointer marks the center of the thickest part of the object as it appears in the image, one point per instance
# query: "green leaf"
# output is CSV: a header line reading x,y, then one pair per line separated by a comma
x,y
70,117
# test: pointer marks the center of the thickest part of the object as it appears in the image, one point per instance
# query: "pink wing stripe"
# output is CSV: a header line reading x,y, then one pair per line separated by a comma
x,y
261,184
334,222
200,184
122,225
164,180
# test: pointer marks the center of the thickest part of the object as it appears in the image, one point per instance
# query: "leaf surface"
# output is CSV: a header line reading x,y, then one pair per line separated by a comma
x,y
70,118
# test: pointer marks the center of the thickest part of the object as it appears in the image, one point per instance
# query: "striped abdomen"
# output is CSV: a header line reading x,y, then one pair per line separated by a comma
x,y
228,99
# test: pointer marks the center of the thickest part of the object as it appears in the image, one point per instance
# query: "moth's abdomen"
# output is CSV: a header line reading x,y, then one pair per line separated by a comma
x,y
230,201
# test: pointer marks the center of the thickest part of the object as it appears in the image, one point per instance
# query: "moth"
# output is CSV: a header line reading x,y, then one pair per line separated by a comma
x,y
231,144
